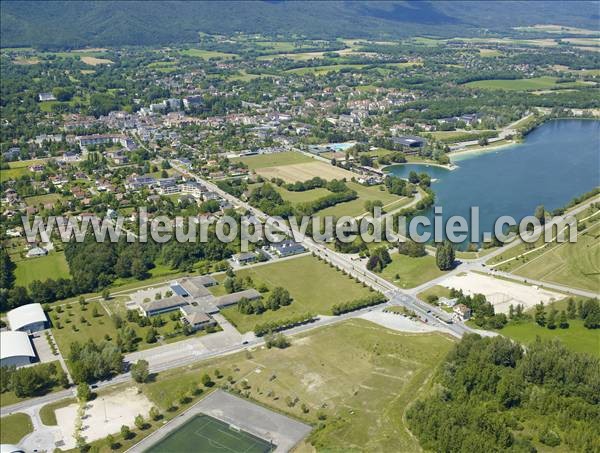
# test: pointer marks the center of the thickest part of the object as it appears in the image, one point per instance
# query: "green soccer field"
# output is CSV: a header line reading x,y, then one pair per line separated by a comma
x,y
205,433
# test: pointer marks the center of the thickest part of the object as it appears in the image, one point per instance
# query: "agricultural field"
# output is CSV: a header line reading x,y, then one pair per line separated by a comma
x,y
54,266
320,70
313,285
407,272
536,83
360,407
94,61
273,160
14,427
208,54
305,171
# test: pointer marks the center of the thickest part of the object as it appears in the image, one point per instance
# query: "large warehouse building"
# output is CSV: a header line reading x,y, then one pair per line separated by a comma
x,y
15,349
27,318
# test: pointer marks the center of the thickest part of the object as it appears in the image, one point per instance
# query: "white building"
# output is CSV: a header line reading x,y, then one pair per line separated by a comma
x,y
15,349
27,318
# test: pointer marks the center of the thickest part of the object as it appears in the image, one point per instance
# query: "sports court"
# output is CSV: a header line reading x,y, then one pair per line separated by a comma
x,y
225,423
205,433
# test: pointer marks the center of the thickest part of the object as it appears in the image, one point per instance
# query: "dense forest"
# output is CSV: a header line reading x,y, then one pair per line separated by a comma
x,y
92,23
491,394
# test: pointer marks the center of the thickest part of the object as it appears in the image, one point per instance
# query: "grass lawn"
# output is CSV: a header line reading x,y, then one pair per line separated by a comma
x,y
43,199
301,197
73,328
320,70
47,414
14,427
273,159
54,265
437,290
358,376
357,207
535,83
207,54
412,271
571,264
576,337
314,286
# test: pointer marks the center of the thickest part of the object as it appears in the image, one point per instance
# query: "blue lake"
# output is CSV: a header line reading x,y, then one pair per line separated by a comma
x,y
556,162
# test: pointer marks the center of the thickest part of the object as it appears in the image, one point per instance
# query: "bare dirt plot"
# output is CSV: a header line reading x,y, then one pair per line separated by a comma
x,y
303,172
93,61
103,416
501,293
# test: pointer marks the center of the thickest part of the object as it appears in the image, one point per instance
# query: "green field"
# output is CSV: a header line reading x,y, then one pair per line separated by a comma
x,y
274,159
576,337
207,54
365,193
314,286
43,199
320,70
301,197
14,427
535,83
571,264
355,379
204,433
47,412
436,290
54,265
411,271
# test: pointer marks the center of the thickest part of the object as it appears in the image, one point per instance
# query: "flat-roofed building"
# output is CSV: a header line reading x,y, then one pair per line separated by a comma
x,y
27,318
234,298
16,349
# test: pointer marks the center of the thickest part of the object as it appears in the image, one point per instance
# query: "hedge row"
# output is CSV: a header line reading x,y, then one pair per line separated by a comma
x,y
276,326
373,299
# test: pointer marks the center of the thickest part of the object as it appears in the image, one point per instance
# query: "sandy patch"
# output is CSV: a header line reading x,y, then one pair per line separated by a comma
x,y
501,293
396,321
93,61
103,416
303,172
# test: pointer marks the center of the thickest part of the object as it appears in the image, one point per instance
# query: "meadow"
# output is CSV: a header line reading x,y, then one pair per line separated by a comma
x,y
54,266
273,160
207,54
313,285
407,272
14,427
535,83
354,379
305,171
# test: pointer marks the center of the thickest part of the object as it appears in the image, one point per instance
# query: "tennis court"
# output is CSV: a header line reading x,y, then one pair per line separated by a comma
x,y
207,434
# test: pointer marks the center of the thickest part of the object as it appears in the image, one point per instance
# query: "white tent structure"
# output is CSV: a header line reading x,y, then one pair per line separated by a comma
x,y
15,349
27,318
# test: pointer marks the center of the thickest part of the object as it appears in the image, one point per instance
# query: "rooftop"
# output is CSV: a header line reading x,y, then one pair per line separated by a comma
x,y
15,344
24,315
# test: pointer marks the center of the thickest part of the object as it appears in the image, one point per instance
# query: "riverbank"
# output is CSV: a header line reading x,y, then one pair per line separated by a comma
x,y
483,149
448,167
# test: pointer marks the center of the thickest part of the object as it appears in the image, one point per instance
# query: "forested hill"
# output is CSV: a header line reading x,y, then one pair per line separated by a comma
x,y
94,23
